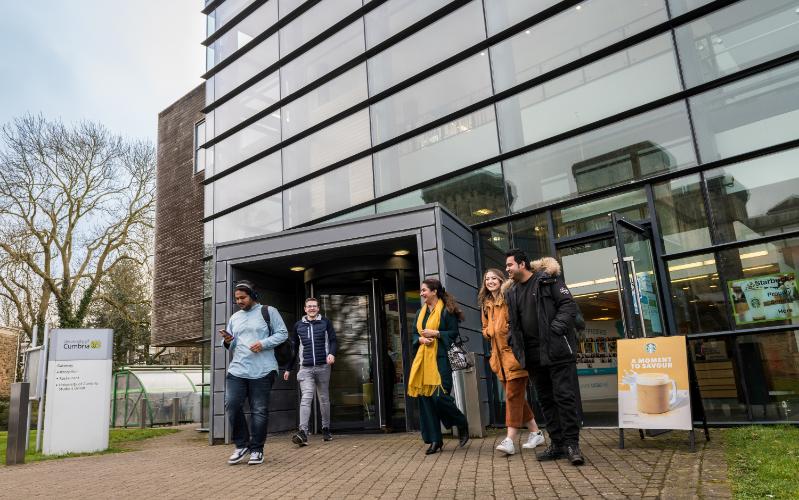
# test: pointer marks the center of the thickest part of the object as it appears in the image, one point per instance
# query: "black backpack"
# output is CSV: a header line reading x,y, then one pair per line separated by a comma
x,y
284,353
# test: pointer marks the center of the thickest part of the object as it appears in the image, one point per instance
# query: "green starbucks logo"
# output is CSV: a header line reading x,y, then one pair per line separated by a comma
x,y
650,347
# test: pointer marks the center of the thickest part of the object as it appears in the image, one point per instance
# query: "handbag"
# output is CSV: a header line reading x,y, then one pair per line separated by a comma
x,y
457,355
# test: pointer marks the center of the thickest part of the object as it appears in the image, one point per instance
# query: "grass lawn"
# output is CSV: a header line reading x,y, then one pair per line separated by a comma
x,y
117,442
763,461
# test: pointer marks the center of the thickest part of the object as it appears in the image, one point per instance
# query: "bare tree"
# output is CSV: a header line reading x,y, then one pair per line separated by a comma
x,y
74,204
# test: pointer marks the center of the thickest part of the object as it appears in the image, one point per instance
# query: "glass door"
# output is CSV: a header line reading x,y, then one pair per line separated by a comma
x,y
634,270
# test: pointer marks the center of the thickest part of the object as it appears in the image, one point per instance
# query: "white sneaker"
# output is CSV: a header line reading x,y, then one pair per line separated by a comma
x,y
533,440
237,456
506,446
256,457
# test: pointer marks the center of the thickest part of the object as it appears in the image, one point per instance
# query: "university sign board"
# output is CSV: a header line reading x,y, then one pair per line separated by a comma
x,y
653,383
78,397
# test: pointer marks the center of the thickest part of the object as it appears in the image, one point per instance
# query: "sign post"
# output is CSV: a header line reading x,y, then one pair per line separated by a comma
x,y
77,405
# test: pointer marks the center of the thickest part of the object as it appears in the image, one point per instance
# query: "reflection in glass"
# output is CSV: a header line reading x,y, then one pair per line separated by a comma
x,y
243,33
593,215
247,182
247,142
531,235
761,283
257,219
697,297
226,11
438,41
335,142
494,242
394,16
501,14
570,35
754,113
648,144
363,211
439,95
331,192
323,58
735,38
770,364
680,210
325,101
251,101
243,68
451,146
588,271
756,197
678,7
616,83
717,373
473,197
314,21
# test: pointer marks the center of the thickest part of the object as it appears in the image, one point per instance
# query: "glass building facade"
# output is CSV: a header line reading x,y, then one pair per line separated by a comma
x,y
532,120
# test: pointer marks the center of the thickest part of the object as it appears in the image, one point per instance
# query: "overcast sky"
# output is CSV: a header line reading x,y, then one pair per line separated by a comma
x,y
118,62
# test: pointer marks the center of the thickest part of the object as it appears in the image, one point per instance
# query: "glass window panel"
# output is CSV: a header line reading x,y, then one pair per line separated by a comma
x,y
444,38
247,182
770,364
454,88
240,35
696,293
287,6
651,143
761,283
718,376
678,7
570,35
208,200
473,197
245,67
325,101
321,59
367,210
247,142
251,101
260,218
680,210
531,235
314,21
436,152
753,113
501,14
208,239
199,153
209,91
227,10
593,215
756,197
629,78
494,242
333,143
337,190
394,16
736,37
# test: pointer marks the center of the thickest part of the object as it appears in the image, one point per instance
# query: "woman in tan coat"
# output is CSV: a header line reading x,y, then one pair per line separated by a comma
x,y
505,365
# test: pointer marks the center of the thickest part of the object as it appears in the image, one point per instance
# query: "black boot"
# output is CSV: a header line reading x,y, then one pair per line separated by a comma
x,y
435,447
553,452
574,454
463,434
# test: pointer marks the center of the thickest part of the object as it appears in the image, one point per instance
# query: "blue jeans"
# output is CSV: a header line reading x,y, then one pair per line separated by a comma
x,y
257,392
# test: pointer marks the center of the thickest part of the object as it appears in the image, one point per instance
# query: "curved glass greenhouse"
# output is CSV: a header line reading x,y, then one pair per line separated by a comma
x,y
156,388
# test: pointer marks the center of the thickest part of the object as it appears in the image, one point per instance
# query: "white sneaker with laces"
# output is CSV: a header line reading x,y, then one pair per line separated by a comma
x,y
506,446
256,457
237,456
533,440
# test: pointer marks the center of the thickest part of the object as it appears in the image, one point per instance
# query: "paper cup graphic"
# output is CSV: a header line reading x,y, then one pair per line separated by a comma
x,y
657,393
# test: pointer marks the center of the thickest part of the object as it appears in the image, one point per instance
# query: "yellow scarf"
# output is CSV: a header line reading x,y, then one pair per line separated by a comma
x,y
424,379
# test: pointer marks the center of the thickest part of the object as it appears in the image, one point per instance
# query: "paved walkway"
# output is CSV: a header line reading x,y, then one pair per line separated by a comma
x,y
182,465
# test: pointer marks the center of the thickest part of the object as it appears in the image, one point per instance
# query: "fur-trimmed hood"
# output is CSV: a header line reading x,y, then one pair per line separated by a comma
x,y
548,265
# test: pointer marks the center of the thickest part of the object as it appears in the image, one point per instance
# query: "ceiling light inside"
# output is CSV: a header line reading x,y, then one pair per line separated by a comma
x,y
297,269
400,253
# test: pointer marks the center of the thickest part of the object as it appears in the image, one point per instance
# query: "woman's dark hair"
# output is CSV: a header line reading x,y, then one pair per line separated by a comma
x,y
449,301
483,294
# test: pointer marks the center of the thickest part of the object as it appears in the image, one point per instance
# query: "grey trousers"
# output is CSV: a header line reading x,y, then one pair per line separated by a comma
x,y
310,378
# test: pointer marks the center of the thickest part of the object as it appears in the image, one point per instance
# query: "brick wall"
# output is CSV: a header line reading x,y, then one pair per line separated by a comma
x,y
8,351
178,276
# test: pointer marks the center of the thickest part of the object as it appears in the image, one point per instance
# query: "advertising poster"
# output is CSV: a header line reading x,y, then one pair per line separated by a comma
x,y
653,383
764,298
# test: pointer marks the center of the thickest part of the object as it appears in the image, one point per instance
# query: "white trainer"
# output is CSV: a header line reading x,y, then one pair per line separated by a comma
x,y
256,457
237,456
533,440
506,446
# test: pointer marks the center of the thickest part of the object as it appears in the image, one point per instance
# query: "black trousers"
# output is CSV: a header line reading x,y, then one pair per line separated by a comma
x,y
557,395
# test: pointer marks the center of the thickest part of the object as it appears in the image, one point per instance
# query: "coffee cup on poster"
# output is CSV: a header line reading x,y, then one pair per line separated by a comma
x,y
657,392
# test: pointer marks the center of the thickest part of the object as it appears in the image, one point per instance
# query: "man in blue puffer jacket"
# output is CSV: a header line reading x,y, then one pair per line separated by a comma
x,y
314,340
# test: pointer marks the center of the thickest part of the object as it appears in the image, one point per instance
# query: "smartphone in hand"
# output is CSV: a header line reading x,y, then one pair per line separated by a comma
x,y
226,335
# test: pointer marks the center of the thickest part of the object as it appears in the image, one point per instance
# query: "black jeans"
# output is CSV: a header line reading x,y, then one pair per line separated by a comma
x,y
257,391
557,395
